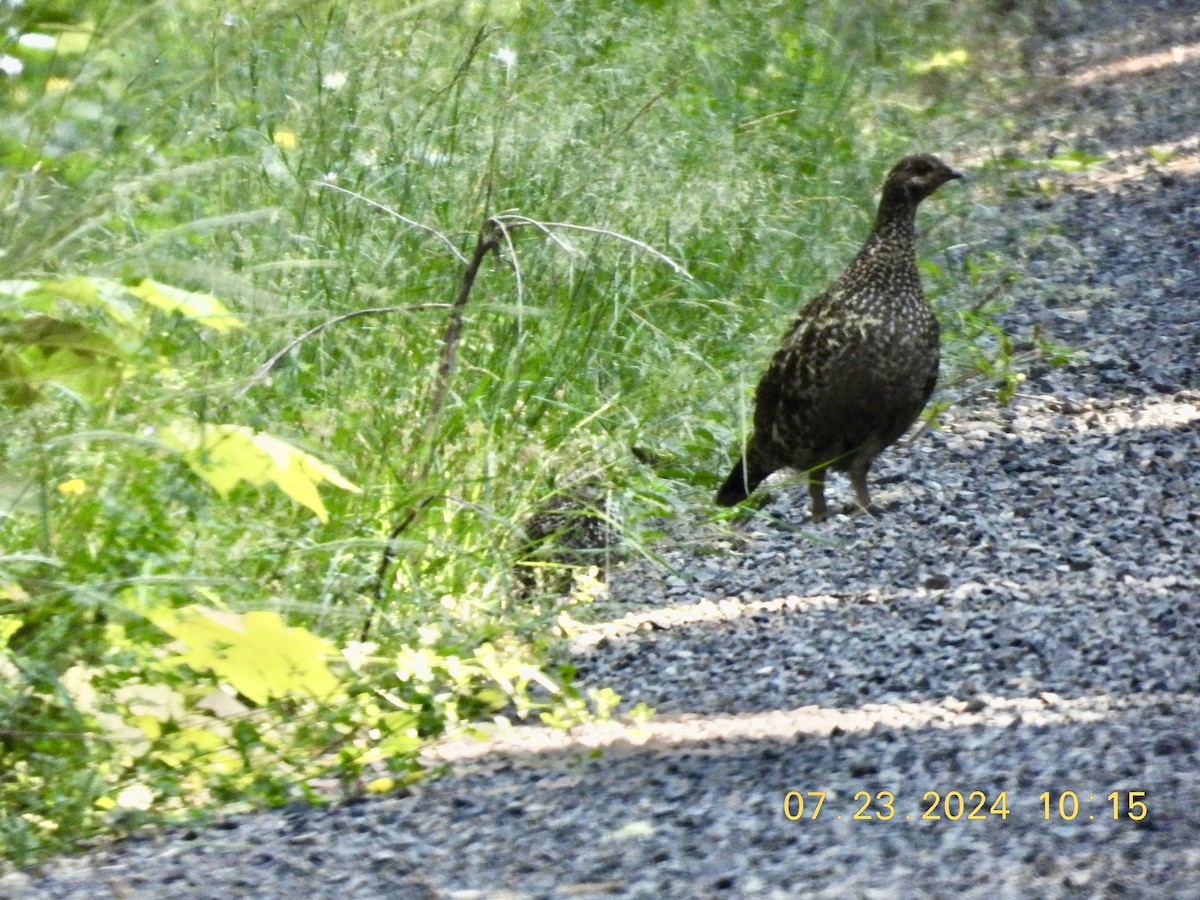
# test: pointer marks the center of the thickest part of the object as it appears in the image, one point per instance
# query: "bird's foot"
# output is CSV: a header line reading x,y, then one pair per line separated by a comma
x,y
874,510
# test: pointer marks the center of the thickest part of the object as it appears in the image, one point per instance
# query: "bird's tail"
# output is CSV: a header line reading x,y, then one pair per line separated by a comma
x,y
742,481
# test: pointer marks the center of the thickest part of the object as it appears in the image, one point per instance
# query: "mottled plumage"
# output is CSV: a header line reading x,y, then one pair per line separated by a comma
x,y
859,363
573,529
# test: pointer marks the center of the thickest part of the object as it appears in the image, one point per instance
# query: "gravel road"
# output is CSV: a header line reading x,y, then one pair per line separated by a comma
x,y
1022,620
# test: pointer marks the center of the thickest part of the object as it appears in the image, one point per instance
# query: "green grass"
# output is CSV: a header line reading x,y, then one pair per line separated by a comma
x,y
206,150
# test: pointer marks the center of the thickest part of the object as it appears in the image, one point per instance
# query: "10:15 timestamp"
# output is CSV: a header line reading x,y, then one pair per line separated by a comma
x,y
973,806
1067,806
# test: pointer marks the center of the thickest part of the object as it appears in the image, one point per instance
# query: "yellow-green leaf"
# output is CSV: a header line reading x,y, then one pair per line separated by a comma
x,y
1162,155
73,39
256,653
1074,160
41,350
223,455
9,625
46,296
950,59
203,308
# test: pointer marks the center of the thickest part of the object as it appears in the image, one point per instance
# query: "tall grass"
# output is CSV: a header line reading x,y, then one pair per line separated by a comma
x,y
255,154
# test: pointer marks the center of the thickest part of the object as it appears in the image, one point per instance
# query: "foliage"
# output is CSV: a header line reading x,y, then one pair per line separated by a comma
x,y
197,607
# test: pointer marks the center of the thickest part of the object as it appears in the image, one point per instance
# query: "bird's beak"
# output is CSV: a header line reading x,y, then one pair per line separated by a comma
x,y
954,173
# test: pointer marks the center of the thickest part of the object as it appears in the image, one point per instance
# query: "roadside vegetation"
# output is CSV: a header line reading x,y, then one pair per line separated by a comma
x,y
307,308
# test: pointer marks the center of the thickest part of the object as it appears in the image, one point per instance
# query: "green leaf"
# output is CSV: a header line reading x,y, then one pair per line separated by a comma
x,y
46,296
9,625
203,308
223,455
38,351
952,59
255,653
1162,156
113,298
74,39
1074,160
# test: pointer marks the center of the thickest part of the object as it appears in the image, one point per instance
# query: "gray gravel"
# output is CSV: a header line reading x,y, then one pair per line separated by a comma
x,y
1023,617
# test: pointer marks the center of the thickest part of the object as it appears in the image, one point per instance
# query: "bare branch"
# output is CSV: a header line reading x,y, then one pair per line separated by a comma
x,y
514,219
389,556
516,263
485,243
391,212
518,220
744,126
261,373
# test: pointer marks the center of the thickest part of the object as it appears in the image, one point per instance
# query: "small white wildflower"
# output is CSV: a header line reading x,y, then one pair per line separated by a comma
x,y
35,41
358,653
136,796
334,81
331,177
507,58
10,65
229,20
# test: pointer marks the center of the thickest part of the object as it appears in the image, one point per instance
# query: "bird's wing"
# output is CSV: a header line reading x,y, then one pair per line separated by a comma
x,y
787,378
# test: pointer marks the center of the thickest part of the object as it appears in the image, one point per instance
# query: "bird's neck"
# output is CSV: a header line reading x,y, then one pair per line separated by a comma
x,y
894,236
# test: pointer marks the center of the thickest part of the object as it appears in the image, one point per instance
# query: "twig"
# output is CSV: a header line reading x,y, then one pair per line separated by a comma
x,y
460,73
261,373
72,735
745,126
1002,284
395,215
512,252
389,554
487,242
544,227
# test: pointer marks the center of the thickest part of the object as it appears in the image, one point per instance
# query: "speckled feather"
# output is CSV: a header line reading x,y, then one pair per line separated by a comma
x,y
860,361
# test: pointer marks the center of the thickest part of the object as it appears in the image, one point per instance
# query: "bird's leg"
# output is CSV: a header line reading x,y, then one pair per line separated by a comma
x,y
816,490
862,496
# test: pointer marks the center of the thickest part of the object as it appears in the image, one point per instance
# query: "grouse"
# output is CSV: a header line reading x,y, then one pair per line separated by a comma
x,y
858,364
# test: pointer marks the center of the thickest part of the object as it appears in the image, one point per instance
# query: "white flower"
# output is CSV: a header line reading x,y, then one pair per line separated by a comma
x,y
35,41
136,796
506,58
10,65
334,81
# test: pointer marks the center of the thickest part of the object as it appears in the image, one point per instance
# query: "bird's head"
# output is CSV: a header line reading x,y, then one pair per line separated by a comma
x,y
916,177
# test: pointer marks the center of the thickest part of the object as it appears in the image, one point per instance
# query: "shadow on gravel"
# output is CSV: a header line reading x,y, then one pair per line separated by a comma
x,y
1148,74
872,787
